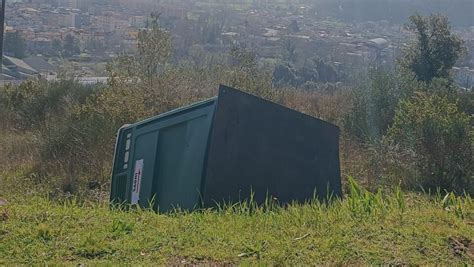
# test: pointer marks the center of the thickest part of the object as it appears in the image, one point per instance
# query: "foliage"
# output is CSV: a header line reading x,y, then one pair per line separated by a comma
x,y
375,103
64,142
95,46
78,148
440,138
326,71
15,44
317,70
247,76
57,47
243,59
70,46
314,70
466,101
290,53
429,140
154,48
284,75
309,72
34,103
436,49
427,60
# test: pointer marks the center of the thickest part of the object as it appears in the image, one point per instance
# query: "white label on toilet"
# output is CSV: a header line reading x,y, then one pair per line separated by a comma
x,y
137,180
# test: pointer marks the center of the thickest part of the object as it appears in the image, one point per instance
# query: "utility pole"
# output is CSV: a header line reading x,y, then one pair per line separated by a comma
x,y
2,31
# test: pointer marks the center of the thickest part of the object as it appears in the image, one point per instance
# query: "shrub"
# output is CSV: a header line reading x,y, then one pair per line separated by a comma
x,y
79,146
440,139
375,103
31,104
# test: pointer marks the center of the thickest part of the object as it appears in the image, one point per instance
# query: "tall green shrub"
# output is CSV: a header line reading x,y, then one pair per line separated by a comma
x,y
375,103
31,104
440,138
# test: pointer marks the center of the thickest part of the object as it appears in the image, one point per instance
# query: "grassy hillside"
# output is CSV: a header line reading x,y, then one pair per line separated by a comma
x,y
390,228
57,141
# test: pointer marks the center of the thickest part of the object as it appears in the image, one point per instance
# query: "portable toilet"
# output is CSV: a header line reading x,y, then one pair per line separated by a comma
x,y
223,150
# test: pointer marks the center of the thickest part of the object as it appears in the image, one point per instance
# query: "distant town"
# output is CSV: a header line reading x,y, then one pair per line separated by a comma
x,y
78,37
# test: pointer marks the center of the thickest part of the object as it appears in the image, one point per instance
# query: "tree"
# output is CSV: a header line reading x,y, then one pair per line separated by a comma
x,y
57,47
243,72
154,48
284,74
317,70
290,53
438,138
435,50
374,105
15,44
95,46
309,72
142,69
70,46
242,58
427,60
326,71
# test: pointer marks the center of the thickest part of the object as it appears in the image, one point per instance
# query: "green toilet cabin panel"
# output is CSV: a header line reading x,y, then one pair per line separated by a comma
x,y
160,161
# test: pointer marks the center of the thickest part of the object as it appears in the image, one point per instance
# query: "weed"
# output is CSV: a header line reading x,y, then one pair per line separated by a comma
x,y
456,204
121,227
255,249
399,199
92,247
44,232
364,203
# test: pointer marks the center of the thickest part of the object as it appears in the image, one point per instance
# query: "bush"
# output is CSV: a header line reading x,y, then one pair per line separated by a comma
x,y
79,146
366,121
375,103
440,139
44,116
31,104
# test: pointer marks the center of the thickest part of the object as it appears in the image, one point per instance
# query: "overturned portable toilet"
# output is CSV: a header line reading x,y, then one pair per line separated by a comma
x,y
223,150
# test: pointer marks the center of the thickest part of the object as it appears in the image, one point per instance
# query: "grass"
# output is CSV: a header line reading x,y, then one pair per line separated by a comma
x,y
363,228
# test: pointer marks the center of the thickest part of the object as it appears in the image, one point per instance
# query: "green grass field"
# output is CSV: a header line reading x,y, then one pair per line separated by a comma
x,y
364,228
